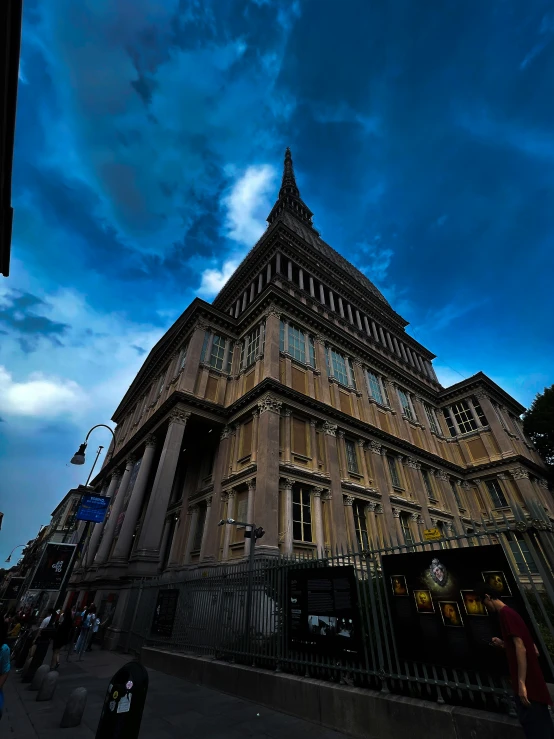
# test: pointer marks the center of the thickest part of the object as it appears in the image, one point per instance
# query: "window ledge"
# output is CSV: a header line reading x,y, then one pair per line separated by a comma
x,y
246,458
399,489
356,475
300,543
433,501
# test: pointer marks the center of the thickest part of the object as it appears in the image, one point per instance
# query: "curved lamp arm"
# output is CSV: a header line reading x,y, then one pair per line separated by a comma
x,y
13,550
79,456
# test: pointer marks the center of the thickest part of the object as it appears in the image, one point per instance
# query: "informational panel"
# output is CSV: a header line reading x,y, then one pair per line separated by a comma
x,y
164,614
93,508
436,615
323,611
124,703
52,567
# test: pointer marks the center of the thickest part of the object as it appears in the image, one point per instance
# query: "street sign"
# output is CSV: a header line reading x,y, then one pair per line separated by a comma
x,y
93,508
432,534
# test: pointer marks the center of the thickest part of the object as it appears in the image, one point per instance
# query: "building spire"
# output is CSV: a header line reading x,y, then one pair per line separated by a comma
x,y
289,195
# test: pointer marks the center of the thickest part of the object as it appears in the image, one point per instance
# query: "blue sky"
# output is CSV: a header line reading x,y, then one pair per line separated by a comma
x,y
150,136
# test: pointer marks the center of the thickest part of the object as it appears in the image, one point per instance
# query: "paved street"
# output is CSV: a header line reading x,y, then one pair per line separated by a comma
x,y
174,708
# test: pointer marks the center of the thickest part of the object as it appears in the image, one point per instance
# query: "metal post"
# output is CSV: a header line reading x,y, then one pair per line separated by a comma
x,y
63,587
250,585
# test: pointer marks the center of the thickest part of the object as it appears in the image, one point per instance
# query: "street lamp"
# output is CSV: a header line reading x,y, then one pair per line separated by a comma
x,y
252,533
9,559
79,458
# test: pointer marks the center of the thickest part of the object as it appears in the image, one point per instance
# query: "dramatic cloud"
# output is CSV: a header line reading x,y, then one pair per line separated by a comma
x,y
40,396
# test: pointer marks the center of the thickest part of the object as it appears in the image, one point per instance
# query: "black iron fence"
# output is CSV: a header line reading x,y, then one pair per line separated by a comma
x,y
209,616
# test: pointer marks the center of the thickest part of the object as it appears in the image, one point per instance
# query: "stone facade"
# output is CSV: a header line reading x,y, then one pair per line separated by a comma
x,y
298,402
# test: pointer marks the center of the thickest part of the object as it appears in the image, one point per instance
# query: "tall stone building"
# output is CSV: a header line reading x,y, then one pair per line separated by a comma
x,y
298,402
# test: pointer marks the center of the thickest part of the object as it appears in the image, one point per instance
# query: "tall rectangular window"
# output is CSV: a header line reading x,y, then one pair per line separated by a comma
x,y
360,524
405,403
393,469
385,391
431,418
374,387
281,336
297,344
449,422
199,530
464,417
182,358
479,411
352,375
252,346
427,483
522,556
311,347
497,496
301,514
338,367
406,530
161,384
351,457
218,352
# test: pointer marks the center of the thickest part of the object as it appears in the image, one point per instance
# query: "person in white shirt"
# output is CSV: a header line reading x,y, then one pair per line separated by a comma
x,y
46,621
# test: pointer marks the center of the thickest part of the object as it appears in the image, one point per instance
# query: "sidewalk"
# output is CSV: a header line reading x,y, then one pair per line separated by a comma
x,y
174,708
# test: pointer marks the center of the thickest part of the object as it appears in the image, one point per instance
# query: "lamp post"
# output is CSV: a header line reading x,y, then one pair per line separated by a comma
x,y
9,557
79,458
252,533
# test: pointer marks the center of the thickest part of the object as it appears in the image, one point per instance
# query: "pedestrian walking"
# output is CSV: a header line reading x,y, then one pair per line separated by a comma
x,y
88,620
5,665
531,692
93,632
61,637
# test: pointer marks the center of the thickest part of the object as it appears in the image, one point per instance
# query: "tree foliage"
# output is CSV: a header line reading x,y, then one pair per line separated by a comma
x,y
538,424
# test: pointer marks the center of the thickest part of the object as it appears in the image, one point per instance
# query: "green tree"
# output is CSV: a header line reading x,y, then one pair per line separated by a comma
x,y
538,425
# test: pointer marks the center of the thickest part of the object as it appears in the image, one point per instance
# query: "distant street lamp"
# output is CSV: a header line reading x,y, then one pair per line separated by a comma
x,y
252,533
9,559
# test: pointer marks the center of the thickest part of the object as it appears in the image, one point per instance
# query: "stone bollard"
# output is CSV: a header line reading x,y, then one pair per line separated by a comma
x,y
39,676
74,709
46,690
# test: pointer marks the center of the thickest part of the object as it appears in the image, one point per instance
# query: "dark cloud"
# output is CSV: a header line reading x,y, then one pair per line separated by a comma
x,y
139,350
18,313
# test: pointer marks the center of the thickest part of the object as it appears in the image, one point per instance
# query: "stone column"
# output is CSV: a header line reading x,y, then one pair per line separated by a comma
x,y
313,445
194,352
266,506
337,508
212,532
271,351
398,526
98,527
499,432
124,541
193,510
250,512
318,521
287,506
230,497
101,554
321,360
288,436
254,448
348,502
384,487
148,547
521,479
207,526
343,466
361,384
370,513
451,501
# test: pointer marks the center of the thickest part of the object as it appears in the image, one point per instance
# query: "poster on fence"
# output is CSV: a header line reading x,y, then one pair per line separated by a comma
x,y
436,615
323,611
52,567
164,613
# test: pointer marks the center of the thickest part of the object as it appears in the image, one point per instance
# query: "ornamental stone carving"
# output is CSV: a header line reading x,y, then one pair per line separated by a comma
x,y
177,416
287,483
371,506
255,413
481,394
348,500
519,473
379,508
252,484
396,512
361,443
476,480
465,485
374,447
227,431
341,434
320,339
414,517
411,462
329,428
192,508
273,310
317,492
288,413
117,474
208,501
269,403
200,325
313,423
231,493
150,441
441,475
327,496
543,484
131,459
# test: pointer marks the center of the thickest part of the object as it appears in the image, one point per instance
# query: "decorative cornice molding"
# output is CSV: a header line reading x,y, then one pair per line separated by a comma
x,y
441,475
519,473
317,492
273,310
287,483
374,447
348,500
151,441
271,403
371,506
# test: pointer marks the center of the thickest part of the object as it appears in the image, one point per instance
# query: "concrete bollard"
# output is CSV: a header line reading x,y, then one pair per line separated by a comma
x,y
75,708
48,687
39,676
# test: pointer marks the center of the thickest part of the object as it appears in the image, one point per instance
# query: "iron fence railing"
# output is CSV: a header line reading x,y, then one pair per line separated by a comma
x,y
211,603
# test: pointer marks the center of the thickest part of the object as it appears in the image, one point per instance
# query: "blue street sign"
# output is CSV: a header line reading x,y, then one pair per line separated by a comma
x,y
93,508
